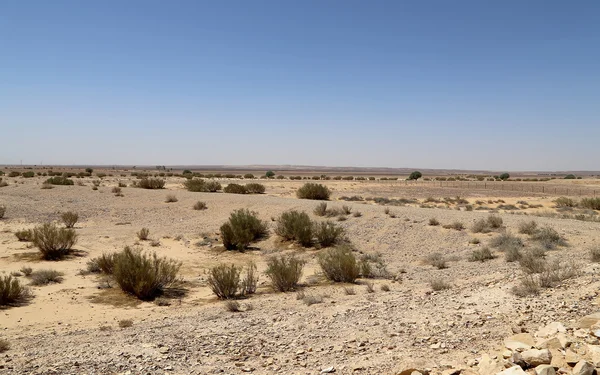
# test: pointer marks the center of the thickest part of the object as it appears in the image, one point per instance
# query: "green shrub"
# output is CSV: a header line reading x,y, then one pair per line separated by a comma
x,y
504,176
590,203
248,176
59,180
339,264
570,177
313,191
202,186
200,205
69,218
270,174
150,183
24,235
45,277
28,174
254,188
54,243
243,227
481,255
528,227
235,189
12,292
415,175
284,272
328,233
295,226
142,275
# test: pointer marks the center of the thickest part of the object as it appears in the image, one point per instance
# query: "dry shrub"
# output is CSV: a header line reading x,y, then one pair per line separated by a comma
x,y
505,241
226,281
532,261
26,270
250,279
116,190
235,189
125,323
434,222
200,206
346,210
12,292
4,345
339,264
312,299
565,202
69,218
284,272
528,286
2,211
457,225
350,291
171,198
54,243
45,277
243,227
105,263
481,255
436,260
313,191
384,288
595,254
143,234
528,227
357,214
321,209
590,203
255,188
549,238
150,183
369,287
202,186
439,284
144,276
295,226
487,225
58,180
328,234
233,306
373,266
24,235
46,186
551,274
512,254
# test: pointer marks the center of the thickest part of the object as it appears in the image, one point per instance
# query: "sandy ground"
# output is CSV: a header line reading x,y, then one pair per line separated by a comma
x,y
65,328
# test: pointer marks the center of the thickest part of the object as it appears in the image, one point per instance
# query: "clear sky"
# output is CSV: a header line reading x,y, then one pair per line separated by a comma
x,y
502,85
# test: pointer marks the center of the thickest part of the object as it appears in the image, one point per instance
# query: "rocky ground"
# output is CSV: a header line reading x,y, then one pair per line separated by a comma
x,y
73,327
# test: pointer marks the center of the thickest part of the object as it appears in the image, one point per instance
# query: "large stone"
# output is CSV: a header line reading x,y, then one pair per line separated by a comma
x,y
551,330
589,320
515,370
535,357
571,357
545,370
522,341
489,366
558,359
583,368
551,343
593,353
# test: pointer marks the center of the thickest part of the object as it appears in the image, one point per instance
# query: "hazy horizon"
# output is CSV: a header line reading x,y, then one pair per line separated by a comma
x,y
462,85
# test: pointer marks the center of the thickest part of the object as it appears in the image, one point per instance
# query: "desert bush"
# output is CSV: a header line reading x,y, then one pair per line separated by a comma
x,y
14,174
105,263
328,233
143,234
564,202
4,345
346,210
295,226
549,238
313,191
439,284
24,235
527,286
311,299
54,243
243,227
528,227
590,203
437,260
125,323
47,186
595,254
45,277
235,189
254,188
249,280
532,261
384,288
232,306
556,272
12,292
224,281
171,198
481,255
202,186
512,254
339,264
28,174
284,272
248,176
150,183
494,221
200,205
434,222
116,190
26,270
321,209
506,240
59,180
357,214
144,276
69,218
457,225
373,265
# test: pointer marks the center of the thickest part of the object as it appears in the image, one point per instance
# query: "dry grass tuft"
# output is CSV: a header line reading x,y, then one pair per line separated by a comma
x,y
45,277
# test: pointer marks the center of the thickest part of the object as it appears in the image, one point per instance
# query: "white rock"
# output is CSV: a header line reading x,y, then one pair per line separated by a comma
x,y
589,320
515,370
551,330
522,341
545,370
328,370
535,357
583,368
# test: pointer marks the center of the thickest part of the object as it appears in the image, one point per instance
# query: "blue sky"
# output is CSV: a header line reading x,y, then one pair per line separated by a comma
x,y
501,85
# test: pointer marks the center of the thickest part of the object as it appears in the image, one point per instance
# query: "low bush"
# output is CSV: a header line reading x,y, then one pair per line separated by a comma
x,y
284,272
26,270
549,238
295,226
481,255
528,227
595,254
116,190
313,191
512,254
506,240
28,174
143,234
254,188
59,180
144,276
226,282
590,203
243,227
373,265
12,292
69,218
328,233
436,260
321,209
24,235
565,202
171,198
235,189
54,243
105,263
457,225
487,225
45,277
200,205
4,345
434,222
202,186
339,264
439,284
150,183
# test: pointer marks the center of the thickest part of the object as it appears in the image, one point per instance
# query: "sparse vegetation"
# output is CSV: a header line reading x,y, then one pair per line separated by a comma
x,y
549,238
284,272
434,222
565,202
199,206
457,225
243,227
313,191
436,260
235,189
4,345
105,263
528,227
45,277
24,235
595,254
481,255
171,198
321,209
26,270
150,183
487,225
255,188
590,203
295,226
125,323
202,186
339,264
328,234
505,241
12,292
143,234
439,284
69,218
54,243
59,180
226,281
